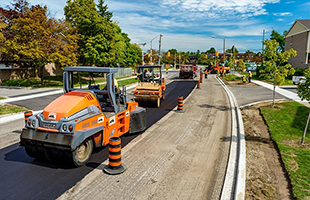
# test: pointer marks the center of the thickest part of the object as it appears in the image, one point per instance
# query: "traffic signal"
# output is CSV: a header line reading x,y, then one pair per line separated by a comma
x,y
206,56
168,53
217,54
179,57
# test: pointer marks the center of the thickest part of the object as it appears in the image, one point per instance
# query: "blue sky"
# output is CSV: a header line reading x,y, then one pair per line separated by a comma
x,y
188,25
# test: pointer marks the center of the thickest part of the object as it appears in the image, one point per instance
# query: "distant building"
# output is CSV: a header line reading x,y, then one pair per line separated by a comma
x,y
298,38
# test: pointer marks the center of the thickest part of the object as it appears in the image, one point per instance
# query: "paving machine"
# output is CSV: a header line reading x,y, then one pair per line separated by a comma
x,y
151,87
82,118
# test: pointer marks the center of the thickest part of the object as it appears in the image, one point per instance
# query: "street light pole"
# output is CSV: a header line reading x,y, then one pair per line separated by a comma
x,y
143,44
152,48
223,45
159,48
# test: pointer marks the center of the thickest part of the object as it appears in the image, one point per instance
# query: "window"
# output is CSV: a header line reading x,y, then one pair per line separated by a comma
x,y
291,40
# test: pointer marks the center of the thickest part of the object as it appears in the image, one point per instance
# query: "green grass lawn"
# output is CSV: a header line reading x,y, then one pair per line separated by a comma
x,y
287,81
127,82
8,109
50,81
286,124
232,77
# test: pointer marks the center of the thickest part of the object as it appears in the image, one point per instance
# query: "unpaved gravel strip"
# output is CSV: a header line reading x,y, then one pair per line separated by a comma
x,y
265,176
183,156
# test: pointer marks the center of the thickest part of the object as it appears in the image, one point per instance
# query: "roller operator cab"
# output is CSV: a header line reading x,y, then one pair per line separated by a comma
x,y
151,87
87,115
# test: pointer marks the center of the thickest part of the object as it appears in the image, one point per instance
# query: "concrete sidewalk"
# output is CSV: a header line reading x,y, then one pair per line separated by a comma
x,y
286,93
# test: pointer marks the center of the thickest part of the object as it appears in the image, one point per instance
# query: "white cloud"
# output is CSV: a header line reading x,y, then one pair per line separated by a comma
x,y
283,14
218,8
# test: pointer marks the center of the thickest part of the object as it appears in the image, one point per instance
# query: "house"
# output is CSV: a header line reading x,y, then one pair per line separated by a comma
x,y
298,38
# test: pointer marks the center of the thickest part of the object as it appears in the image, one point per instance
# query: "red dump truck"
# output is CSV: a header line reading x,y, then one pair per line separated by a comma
x,y
188,71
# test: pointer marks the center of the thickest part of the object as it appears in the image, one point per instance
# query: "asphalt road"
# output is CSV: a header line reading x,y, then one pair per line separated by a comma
x,y
23,177
250,94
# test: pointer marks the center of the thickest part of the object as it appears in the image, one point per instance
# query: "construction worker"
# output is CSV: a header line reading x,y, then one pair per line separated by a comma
x,y
244,79
206,74
250,76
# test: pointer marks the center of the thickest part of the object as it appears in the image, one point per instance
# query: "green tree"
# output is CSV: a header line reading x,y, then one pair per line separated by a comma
x,y
230,63
37,41
303,91
211,50
173,51
97,37
276,67
240,67
2,26
120,46
232,50
133,55
280,39
103,11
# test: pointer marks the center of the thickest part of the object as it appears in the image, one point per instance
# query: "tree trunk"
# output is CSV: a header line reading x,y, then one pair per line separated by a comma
x,y
305,131
41,74
36,71
274,93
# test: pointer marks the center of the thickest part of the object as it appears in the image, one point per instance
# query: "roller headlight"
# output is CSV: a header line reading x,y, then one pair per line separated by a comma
x,y
33,123
64,127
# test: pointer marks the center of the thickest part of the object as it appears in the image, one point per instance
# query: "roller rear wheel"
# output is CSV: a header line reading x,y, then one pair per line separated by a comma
x,y
83,152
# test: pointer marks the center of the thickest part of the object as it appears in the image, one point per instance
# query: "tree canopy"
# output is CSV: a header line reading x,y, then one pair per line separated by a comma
x,y
280,39
276,66
303,91
33,38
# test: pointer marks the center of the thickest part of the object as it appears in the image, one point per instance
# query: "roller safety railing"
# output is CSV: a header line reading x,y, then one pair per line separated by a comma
x,y
234,182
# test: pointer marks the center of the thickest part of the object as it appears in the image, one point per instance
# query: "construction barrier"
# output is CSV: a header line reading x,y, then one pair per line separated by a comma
x,y
198,84
180,104
115,157
201,75
27,114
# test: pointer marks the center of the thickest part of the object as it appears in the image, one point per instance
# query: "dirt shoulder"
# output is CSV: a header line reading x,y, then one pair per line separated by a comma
x,y
266,176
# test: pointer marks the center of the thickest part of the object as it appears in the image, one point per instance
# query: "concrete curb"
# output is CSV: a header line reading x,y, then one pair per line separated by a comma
x,y
17,116
234,183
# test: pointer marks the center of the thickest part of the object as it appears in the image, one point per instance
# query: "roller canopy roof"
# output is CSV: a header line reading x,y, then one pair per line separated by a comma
x,y
91,69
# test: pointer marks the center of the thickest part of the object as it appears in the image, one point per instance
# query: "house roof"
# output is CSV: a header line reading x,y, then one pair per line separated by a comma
x,y
299,26
305,22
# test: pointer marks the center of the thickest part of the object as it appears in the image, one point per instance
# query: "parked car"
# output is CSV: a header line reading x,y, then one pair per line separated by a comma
x,y
298,79
250,67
